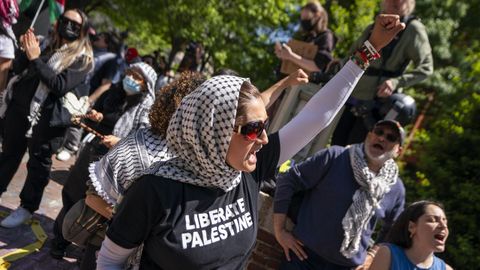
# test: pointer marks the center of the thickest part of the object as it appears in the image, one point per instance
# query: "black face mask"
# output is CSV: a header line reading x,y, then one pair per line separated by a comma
x,y
68,29
307,25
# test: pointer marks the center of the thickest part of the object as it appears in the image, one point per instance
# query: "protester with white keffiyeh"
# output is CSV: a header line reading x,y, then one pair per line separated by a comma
x,y
38,103
344,192
199,209
125,162
121,110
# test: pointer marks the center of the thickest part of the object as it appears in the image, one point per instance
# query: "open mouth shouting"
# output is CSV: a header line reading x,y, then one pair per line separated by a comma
x,y
440,238
378,146
252,155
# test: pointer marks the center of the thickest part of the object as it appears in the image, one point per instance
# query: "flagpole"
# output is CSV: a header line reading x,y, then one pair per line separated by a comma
x,y
36,14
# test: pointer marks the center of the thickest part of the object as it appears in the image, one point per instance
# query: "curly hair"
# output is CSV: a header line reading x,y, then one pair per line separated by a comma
x,y
169,98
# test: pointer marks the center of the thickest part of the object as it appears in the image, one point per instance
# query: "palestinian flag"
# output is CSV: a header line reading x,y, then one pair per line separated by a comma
x,y
55,9
24,5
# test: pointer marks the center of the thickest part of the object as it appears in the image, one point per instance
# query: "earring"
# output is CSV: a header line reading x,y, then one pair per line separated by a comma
x,y
411,234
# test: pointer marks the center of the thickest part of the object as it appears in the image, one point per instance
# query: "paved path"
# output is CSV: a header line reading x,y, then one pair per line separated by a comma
x,y
12,239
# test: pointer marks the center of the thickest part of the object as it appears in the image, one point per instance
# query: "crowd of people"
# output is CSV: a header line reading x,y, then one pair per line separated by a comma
x,y
169,167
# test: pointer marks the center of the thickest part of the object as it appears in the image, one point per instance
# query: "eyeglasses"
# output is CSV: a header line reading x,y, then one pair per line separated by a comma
x,y
75,25
389,136
252,130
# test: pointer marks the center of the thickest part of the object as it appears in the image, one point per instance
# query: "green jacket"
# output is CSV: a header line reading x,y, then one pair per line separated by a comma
x,y
413,46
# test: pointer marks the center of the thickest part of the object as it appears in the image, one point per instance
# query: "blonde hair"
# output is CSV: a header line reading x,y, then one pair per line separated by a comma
x,y
319,12
77,48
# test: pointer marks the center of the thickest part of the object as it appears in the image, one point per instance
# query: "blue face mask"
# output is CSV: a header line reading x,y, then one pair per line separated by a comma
x,y
130,86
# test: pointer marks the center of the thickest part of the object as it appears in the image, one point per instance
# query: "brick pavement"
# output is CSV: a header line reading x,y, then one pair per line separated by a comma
x,y
11,239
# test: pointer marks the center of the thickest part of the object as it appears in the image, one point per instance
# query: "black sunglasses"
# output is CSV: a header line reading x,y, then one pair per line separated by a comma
x,y
252,130
73,24
389,136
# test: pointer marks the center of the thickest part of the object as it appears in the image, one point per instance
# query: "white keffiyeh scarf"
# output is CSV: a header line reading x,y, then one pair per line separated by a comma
x,y
199,134
41,94
137,116
366,199
113,174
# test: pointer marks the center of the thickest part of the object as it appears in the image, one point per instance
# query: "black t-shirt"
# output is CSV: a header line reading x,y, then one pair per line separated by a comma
x,y
184,226
325,42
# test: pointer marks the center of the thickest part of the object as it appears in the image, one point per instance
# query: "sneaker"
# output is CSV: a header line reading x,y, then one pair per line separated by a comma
x,y
64,155
16,218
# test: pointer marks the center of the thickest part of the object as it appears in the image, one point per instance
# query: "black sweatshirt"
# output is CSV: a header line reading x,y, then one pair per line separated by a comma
x,y
70,79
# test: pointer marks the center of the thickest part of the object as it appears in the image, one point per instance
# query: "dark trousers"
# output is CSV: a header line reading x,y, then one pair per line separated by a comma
x,y
350,129
44,142
89,259
314,262
75,187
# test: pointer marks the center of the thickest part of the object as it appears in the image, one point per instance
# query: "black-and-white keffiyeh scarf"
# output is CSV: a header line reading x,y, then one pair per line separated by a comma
x,y
366,199
137,116
199,134
113,174
41,94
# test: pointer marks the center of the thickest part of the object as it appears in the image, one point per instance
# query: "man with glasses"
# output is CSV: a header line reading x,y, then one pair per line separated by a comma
x,y
344,191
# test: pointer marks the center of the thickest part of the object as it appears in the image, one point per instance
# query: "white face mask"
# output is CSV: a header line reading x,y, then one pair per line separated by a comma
x,y
130,86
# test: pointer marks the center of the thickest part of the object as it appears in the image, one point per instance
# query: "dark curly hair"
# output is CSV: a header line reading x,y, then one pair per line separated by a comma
x,y
169,98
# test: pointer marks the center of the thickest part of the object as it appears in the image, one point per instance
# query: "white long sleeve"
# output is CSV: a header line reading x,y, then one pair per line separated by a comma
x,y
319,112
112,256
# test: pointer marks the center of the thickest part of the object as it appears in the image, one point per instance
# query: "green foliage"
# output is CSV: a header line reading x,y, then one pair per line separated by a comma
x,y
445,153
235,34
348,19
447,159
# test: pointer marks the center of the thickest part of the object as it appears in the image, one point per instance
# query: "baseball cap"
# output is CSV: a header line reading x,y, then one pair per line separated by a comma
x,y
396,126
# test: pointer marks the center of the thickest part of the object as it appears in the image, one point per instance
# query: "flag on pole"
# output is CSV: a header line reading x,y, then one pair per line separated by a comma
x,y
24,5
55,9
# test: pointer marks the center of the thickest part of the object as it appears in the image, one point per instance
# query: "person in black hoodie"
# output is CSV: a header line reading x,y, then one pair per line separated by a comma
x,y
38,105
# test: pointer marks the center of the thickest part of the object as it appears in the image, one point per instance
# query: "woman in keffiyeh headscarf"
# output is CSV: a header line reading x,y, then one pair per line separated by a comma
x,y
37,105
199,209
122,109
115,172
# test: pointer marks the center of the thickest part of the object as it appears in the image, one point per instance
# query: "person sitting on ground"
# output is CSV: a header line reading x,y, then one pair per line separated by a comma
x,y
345,192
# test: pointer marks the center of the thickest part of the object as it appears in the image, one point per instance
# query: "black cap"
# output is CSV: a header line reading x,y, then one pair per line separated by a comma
x,y
396,126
